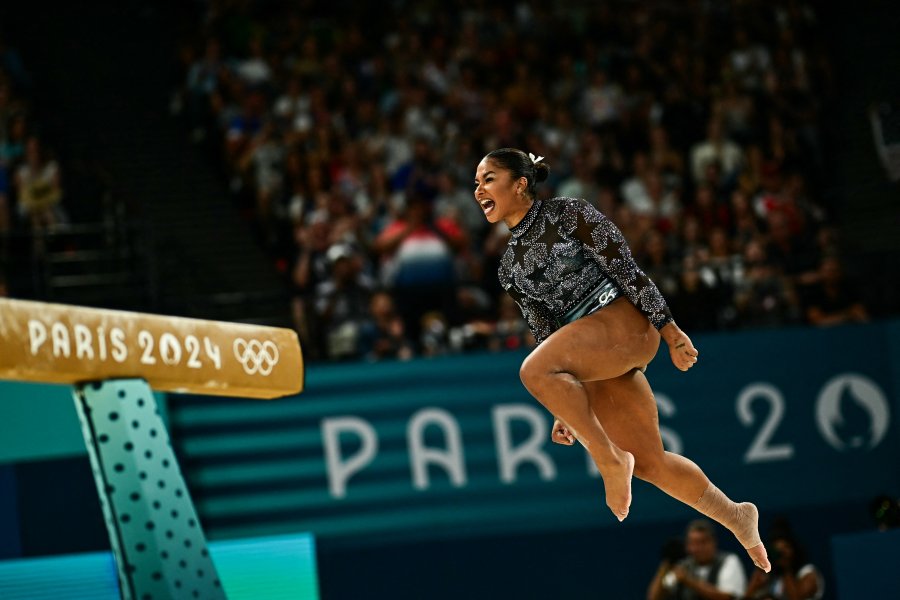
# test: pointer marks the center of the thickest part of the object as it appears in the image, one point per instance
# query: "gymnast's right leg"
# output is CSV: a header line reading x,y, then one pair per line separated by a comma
x,y
553,374
626,408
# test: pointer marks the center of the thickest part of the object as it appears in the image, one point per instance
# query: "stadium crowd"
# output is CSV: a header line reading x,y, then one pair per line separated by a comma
x,y
30,188
697,127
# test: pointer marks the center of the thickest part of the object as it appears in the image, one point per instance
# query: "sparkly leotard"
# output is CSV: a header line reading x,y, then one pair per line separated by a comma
x,y
566,259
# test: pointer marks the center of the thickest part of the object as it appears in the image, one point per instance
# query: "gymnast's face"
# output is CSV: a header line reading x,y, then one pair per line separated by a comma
x,y
500,196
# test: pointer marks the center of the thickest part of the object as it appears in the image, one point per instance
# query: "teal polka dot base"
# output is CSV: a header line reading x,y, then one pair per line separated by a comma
x,y
158,543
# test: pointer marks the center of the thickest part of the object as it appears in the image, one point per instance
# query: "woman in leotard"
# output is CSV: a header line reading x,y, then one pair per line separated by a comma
x,y
598,320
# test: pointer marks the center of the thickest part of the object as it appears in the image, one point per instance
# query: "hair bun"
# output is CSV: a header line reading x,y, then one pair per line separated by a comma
x,y
541,171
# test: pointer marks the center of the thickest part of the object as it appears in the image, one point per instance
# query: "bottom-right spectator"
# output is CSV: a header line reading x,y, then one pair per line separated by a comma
x,y
885,509
705,574
792,576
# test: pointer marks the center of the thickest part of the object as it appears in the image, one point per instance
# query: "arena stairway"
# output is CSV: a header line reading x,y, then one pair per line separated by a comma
x,y
103,88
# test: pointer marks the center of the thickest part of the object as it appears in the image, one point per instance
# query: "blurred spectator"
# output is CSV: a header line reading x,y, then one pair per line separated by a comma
x,y
581,184
794,255
601,100
705,573
418,177
7,109
310,267
708,210
38,188
737,111
656,263
834,299
457,204
417,263
749,60
719,269
385,337
763,297
744,224
292,108
475,320
12,147
262,161
311,264
696,302
434,337
4,205
342,303
648,197
254,70
783,193
792,576
716,148
243,125
691,238
664,158
203,79
11,64
885,511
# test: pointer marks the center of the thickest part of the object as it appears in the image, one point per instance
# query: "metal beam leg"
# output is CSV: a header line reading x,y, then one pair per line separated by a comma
x,y
156,538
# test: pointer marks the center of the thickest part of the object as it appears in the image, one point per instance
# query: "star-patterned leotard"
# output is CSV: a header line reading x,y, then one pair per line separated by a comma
x,y
566,259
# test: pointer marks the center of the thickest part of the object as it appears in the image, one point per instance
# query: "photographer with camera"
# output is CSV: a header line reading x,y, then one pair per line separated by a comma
x,y
704,573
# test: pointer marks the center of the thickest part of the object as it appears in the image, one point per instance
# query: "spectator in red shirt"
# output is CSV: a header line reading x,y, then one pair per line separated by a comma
x,y
417,262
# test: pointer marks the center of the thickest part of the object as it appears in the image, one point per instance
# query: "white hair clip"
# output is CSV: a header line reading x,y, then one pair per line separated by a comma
x,y
535,159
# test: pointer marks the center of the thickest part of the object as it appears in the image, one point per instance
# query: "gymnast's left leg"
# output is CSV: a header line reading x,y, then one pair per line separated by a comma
x,y
627,409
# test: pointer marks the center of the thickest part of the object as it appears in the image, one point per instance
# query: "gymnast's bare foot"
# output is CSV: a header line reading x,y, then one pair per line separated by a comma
x,y
616,475
759,557
747,534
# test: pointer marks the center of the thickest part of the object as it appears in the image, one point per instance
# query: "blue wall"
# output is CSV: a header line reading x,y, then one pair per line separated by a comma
x,y
803,422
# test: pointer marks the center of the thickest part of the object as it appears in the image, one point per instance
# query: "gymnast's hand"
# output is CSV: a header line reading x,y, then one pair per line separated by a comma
x,y
681,349
561,434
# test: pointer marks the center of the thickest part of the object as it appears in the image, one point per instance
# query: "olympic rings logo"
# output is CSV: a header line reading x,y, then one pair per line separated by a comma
x,y
255,356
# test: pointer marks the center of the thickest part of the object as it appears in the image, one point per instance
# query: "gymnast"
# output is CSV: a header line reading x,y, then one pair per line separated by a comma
x,y
598,320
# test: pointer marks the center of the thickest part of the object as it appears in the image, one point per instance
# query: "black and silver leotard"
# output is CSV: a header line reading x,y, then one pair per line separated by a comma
x,y
566,259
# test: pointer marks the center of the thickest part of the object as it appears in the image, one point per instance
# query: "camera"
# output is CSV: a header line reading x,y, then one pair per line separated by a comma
x,y
673,550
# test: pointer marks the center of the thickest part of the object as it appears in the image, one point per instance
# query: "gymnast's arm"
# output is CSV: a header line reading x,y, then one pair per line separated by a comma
x,y
604,242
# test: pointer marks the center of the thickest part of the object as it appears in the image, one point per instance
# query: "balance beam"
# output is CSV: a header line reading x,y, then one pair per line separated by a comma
x,y
55,343
113,358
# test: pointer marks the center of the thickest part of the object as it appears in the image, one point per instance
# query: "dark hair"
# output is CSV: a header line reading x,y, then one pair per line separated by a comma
x,y
519,164
702,526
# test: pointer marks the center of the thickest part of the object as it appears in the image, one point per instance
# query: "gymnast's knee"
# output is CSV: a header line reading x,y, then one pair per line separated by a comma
x,y
530,373
536,373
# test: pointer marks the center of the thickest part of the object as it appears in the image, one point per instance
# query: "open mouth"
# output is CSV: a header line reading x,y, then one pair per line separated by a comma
x,y
487,205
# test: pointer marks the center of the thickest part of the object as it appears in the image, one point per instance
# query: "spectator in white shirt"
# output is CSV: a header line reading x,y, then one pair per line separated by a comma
x,y
705,574
716,148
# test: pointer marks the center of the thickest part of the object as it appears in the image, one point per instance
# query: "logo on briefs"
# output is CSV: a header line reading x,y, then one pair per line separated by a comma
x,y
607,296
255,356
852,412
